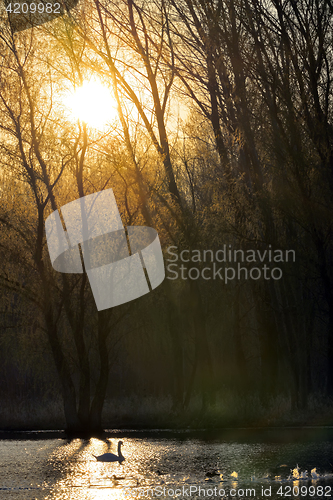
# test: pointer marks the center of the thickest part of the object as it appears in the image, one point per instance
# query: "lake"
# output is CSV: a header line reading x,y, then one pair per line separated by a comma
x,y
161,464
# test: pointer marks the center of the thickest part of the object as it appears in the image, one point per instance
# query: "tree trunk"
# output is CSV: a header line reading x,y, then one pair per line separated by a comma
x,y
100,391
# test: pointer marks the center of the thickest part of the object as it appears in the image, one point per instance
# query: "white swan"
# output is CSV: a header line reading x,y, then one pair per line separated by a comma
x,y
111,457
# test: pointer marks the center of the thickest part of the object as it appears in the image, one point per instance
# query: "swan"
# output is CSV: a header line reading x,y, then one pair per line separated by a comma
x,y
111,457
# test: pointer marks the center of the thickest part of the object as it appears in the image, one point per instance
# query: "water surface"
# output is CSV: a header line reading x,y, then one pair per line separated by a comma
x,y
162,467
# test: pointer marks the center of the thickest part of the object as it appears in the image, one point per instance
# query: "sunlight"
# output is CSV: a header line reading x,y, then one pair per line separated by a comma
x,y
93,103
95,480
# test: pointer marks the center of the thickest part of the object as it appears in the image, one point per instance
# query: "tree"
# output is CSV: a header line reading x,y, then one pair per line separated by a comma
x,y
46,154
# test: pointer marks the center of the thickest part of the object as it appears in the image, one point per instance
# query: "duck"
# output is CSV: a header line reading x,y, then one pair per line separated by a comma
x,y
212,473
314,473
111,457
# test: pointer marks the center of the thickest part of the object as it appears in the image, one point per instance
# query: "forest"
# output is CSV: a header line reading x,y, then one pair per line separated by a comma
x,y
221,140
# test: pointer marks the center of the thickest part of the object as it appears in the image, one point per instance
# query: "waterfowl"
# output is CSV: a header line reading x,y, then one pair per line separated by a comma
x,y
212,473
111,457
314,473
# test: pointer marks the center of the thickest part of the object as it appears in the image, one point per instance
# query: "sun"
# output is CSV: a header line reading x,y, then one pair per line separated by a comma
x,y
93,103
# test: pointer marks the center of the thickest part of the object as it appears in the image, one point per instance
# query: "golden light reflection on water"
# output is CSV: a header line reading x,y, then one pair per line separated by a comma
x,y
296,485
234,485
70,471
84,478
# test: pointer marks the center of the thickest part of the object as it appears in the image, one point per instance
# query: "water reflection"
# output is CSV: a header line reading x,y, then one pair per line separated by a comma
x,y
184,465
61,470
